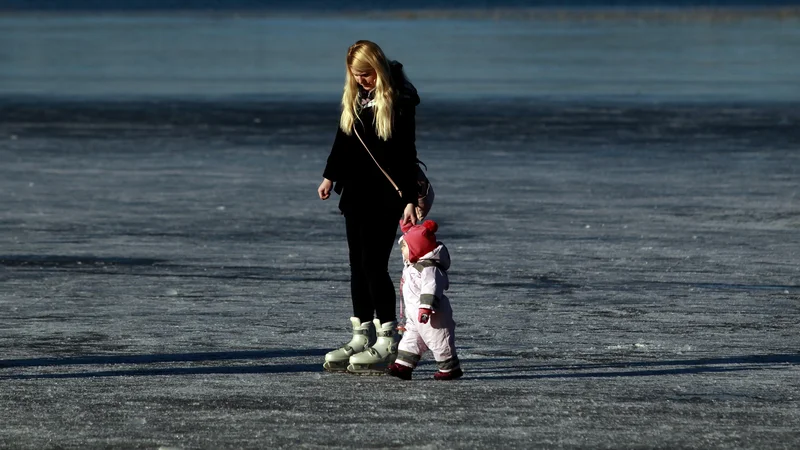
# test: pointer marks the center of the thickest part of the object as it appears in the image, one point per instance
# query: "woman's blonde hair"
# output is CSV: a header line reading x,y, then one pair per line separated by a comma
x,y
366,56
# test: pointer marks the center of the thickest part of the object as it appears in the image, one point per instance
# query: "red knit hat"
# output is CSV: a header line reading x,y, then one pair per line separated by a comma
x,y
419,239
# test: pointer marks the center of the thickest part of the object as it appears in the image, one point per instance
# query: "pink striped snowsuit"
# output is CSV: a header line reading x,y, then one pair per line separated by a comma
x,y
423,284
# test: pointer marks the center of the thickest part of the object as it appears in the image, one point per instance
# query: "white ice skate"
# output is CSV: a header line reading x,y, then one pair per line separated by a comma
x,y
376,358
363,333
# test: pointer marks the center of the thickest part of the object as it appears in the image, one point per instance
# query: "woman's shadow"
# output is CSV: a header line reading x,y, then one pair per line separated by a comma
x,y
107,360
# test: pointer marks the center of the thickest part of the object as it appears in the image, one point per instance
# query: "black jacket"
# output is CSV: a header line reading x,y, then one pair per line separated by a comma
x,y
364,189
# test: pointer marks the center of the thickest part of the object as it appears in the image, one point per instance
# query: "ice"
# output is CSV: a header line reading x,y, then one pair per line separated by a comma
x,y
135,315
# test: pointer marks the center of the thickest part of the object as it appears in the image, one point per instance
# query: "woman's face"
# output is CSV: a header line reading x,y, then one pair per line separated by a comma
x,y
365,79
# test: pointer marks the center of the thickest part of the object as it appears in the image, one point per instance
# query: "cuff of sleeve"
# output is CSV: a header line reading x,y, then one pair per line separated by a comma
x,y
427,301
409,198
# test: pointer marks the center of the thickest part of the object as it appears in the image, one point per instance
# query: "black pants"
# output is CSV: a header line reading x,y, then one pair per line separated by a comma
x,y
370,240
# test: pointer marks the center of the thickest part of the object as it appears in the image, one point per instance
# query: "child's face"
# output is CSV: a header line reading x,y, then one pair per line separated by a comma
x,y
404,250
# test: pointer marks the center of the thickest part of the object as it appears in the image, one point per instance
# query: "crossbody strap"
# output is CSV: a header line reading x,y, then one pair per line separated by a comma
x,y
376,163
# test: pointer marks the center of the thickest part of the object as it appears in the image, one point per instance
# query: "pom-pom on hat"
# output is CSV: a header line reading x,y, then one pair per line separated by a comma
x,y
420,239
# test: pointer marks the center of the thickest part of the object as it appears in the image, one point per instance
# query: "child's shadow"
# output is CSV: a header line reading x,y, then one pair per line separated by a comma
x,y
640,368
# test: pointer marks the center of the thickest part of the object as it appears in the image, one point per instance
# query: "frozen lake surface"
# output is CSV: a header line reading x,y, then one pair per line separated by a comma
x,y
624,275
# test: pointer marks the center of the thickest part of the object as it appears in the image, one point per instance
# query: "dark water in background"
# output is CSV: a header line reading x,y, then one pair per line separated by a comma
x,y
717,79
337,5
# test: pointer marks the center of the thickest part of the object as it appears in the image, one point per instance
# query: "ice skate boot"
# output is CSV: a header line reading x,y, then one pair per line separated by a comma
x,y
375,359
363,334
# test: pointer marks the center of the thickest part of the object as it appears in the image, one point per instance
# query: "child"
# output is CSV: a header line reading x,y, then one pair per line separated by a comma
x,y
430,322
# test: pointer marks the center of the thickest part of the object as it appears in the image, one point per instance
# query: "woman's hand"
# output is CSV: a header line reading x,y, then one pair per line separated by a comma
x,y
324,189
410,214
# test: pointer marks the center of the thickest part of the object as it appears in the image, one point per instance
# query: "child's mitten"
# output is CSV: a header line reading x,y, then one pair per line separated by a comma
x,y
424,315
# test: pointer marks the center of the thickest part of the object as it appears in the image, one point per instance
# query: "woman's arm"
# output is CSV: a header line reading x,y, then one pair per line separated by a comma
x,y
405,149
334,169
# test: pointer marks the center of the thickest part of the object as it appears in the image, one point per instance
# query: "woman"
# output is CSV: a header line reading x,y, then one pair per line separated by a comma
x,y
378,108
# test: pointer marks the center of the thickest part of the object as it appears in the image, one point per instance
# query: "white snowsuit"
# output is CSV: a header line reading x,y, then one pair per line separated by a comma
x,y
423,284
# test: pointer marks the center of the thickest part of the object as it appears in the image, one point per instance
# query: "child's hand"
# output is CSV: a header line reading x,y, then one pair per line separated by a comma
x,y
424,315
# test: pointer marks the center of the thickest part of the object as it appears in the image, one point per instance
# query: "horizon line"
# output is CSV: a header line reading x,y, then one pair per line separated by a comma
x,y
686,13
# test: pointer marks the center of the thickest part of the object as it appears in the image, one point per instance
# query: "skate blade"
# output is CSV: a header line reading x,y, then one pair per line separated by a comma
x,y
374,371
335,367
